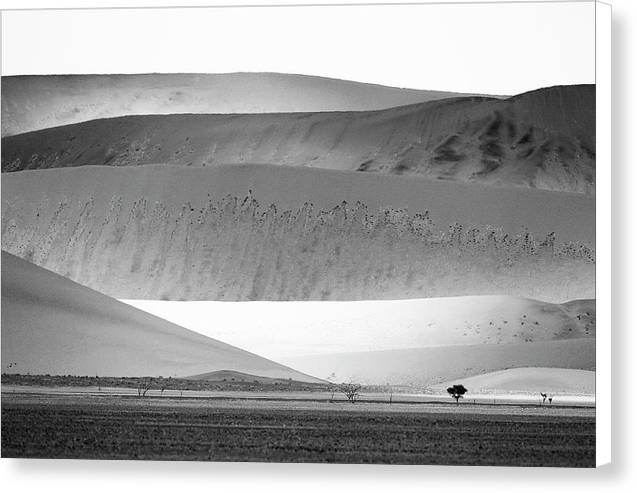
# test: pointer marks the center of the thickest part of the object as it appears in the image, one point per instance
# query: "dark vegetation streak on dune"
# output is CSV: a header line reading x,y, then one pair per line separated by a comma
x,y
162,232
542,139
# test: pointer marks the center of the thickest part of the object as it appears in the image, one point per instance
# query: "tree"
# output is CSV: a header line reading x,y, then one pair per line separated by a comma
x,y
389,390
332,380
544,396
350,390
144,386
457,391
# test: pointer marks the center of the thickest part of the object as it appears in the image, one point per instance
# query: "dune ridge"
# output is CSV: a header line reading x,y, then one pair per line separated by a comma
x,y
542,139
34,102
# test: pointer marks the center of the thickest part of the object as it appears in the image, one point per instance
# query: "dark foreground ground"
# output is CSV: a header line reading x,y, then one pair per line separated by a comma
x,y
231,430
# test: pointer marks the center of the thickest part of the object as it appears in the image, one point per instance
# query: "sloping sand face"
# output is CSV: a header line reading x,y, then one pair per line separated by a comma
x,y
173,233
35,102
550,381
290,329
51,325
569,215
417,343
429,366
542,139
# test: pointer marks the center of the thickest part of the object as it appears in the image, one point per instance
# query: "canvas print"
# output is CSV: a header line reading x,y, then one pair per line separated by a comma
x,y
316,243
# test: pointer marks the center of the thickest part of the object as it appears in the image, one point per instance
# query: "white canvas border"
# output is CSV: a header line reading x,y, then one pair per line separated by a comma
x,y
603,233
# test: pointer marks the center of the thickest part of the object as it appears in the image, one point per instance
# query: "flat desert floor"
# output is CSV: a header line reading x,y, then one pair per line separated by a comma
x,y
228,428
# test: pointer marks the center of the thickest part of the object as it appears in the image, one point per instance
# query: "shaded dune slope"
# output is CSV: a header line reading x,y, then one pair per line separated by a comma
x,y
53,325
34,102
165,232
235,376
542,139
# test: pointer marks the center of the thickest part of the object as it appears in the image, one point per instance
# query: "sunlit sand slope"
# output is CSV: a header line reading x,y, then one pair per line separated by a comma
x,y
53,325
177,233
434,365
286,329
542,139
522,380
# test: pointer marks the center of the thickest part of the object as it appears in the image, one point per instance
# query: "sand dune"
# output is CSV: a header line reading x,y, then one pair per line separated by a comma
x,y
542,139
546,380
41,101
166,232
434,365
287,329
55,326
236,376
569,215
411,342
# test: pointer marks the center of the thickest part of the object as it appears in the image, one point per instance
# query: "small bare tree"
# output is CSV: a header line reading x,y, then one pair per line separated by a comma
x,y
162,385
350,390
544,396
143,386
389,390
332,381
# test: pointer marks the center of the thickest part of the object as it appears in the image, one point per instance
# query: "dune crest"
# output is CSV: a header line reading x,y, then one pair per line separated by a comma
x,y
542,139
54,100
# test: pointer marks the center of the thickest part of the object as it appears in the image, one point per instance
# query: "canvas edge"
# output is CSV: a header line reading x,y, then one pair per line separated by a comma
x,y
603,383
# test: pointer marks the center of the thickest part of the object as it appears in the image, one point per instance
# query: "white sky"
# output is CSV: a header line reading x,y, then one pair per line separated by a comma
x,y
483,48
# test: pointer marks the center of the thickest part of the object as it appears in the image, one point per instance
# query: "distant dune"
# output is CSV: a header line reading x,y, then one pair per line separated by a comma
x,y
541,139
51,325
179,233
287,329
236,376
434,365
547,380
419,342
34,102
